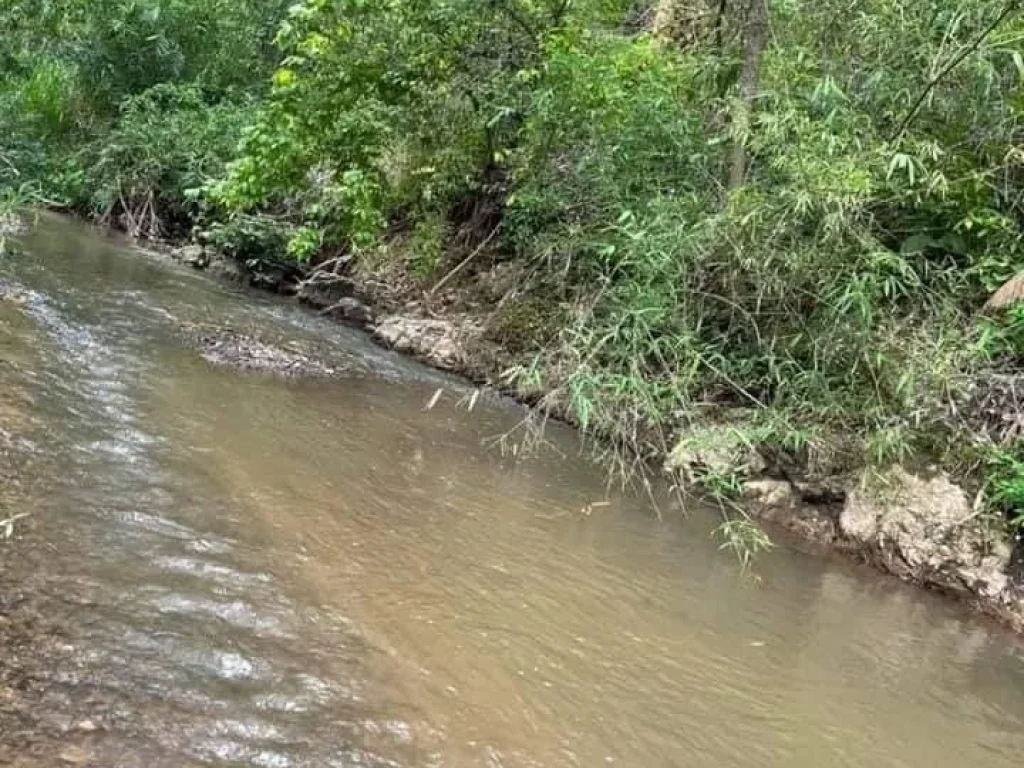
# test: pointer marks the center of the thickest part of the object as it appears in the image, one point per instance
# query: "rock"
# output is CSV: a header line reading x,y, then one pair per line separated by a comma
x,y
74,756
779,502
822,490
437,341
325,290
716,450
771,493
352,310
193,255
86,726
990,578
226,347
860,518
226,269
925,530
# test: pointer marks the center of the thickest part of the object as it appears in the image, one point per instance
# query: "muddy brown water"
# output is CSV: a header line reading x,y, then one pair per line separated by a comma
x,y
246,570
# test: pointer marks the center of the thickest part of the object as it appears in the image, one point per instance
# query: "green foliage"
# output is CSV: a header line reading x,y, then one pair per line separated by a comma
x,y
834,287
743,537
524,324
427,246
264,246
391,106
167,143
120,107
1001,339
1005,483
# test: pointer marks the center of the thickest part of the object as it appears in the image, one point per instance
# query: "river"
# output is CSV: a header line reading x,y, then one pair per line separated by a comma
x,y
252,570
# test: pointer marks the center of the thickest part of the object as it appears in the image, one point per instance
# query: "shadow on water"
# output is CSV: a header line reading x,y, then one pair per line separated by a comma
x,y
246,570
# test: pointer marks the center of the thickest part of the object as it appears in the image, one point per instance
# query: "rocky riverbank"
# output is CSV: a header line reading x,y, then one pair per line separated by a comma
x,y
921,527
450,330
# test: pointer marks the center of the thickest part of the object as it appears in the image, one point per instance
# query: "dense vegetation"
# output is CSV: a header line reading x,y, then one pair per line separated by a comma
x,y
782,214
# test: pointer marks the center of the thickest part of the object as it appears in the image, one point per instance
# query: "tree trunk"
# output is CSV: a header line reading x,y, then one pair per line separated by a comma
x,y
756,37
664,21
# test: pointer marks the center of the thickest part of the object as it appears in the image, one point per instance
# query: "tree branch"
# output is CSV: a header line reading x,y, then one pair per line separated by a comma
x,y
558,13
1010,8
444,280
510,9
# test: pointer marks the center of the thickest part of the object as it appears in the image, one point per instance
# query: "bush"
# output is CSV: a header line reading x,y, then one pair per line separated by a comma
x,y
167,143
122,106
259,244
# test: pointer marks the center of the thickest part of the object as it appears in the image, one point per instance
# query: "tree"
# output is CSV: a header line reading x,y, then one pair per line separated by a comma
x,y
756,34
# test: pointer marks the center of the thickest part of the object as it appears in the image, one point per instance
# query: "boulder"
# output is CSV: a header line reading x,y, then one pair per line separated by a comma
x,y
325,290
926,530
768,493
352,310
437,341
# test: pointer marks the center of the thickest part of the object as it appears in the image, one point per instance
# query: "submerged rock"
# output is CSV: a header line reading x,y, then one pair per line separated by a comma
x,y
13,296
222,346
74,756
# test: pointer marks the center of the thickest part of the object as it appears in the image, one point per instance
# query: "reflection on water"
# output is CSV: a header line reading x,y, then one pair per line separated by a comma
x,y
265,572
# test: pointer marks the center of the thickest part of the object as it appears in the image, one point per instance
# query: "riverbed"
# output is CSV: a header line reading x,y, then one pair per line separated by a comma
x,y
233,567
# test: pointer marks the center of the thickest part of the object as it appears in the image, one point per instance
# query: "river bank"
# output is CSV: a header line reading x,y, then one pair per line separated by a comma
x,y
918,525
569,206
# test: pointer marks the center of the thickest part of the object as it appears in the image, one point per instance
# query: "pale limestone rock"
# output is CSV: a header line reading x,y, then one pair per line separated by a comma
x,y
438,341
925,529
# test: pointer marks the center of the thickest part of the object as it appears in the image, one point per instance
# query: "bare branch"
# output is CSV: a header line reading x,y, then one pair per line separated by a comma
x,y
444,280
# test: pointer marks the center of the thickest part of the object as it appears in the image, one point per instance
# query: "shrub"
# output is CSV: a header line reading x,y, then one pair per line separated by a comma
x,y
167,143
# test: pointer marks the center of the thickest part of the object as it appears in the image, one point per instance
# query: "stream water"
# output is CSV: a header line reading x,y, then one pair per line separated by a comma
x,y
250,570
